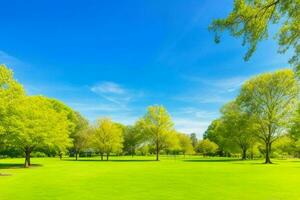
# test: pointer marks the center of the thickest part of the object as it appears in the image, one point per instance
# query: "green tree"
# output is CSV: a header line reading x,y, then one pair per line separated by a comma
x,y
194,140
207,147
132,139
80,135
239,127
10,93
157,126
271,99
36,124
185,143
251,19
108,137
215,133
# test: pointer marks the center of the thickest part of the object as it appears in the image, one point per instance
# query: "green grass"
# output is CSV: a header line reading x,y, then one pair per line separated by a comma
x,y
141,179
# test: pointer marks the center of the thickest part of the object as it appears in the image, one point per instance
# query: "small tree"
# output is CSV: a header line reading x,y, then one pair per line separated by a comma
x,y
157,126
271,99
207,147
80,135
108,137
194,140
132,139
185,144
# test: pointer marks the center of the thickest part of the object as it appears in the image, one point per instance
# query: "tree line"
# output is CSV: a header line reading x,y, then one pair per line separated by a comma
x,y
264,116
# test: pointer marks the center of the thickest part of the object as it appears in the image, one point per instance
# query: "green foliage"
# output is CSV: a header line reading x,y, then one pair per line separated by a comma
x,y
239,127
107,137
185,143
251,19
157,126
207,147
132,139
271,99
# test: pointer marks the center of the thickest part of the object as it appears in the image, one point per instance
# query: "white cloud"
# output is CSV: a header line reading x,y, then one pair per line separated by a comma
x,y
188,125
108,88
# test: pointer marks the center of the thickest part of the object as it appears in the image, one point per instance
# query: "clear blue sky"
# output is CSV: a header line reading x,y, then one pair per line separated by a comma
x,y
114,58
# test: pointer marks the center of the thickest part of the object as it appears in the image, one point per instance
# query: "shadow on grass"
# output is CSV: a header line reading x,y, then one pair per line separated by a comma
x,y
213,160
16,165
98,160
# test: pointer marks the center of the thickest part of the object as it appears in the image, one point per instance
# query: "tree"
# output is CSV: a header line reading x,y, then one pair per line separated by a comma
x,y
132,139
157,126
239,127
108,137
207,147
215,133
251,19
194,139
36,124
271,99
80,135
10,92
62,140
185,144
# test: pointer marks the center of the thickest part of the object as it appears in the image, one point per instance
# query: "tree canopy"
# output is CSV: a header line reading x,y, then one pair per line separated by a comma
x,y
251,20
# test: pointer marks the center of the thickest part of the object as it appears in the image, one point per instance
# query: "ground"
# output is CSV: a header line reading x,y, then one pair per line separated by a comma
x,y
171,178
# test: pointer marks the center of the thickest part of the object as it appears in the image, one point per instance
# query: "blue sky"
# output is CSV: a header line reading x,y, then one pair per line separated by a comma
x,y
114,58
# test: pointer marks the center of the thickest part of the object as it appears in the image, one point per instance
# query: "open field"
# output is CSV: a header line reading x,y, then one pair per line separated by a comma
x,y
122,178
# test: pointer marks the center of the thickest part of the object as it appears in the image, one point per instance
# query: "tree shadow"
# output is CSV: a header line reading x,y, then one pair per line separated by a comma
x,y
16,165
213,160
98,160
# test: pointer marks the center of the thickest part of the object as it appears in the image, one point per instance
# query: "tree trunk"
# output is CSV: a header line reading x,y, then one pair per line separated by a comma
x,y
101,156
244,154
27,157
268,152
107,155
157,151
60,156
76,155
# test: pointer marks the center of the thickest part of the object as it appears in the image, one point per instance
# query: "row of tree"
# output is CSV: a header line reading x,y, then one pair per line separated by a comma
x,y
265,113
40,124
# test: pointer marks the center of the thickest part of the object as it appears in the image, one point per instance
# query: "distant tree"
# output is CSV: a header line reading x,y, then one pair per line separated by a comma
x,y
185,144
251,19
216,133
157,126
239,127
207,147
271,99
62,141
36,124
194,140
80,135
107,137
132,139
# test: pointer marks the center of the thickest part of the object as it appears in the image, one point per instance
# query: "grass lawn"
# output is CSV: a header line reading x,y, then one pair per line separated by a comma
x,y
143,179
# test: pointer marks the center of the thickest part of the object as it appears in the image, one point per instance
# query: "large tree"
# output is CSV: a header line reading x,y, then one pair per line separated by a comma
x,y
239,127
251,19
108,137
157,125
271,99
36,124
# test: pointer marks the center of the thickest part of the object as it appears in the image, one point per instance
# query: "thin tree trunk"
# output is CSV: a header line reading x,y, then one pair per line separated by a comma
x,y
76,155
27,157
157,151
101,156
107,155
268,152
